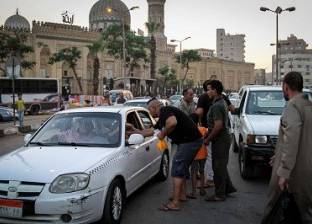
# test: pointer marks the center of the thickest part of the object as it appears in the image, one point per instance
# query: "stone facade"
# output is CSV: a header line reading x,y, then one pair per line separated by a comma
x,y
48,38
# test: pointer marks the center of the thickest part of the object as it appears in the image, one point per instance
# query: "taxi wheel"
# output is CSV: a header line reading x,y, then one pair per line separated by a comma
x,y
164,167
114,203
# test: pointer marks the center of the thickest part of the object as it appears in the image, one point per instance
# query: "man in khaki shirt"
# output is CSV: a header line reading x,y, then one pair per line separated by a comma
x,y
187,104
292,169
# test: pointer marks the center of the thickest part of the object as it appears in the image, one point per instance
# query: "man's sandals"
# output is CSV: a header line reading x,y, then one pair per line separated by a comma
x,y
170,206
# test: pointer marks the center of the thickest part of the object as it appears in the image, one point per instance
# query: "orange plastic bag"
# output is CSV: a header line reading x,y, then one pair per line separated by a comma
x,y
162,145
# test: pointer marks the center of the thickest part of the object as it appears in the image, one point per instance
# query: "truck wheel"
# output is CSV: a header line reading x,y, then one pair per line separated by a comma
x,y
114,203
246,170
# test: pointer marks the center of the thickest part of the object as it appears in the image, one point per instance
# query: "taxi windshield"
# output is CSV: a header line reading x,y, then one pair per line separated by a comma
x,y
81,129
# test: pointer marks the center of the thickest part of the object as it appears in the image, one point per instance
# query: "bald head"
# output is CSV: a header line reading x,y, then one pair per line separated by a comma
x,y
154,106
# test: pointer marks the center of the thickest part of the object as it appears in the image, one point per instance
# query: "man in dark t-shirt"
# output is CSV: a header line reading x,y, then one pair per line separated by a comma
x,y
203,106
183,132
219,136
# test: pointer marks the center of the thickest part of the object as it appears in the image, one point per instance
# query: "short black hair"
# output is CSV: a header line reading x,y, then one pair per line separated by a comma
x,y
194,117
152,99
216,85
294,81
205,84
185,91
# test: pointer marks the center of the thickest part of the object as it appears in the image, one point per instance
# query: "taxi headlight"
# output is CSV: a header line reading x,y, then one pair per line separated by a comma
x,y
68,183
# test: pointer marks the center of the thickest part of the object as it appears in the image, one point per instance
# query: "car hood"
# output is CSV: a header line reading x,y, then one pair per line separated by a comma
x,y
264,125
44,164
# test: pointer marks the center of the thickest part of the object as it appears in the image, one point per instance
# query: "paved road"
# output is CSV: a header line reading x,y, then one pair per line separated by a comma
x,y
245,207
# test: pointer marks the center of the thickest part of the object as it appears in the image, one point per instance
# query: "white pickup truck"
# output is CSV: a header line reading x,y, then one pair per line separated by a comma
x,y
255,123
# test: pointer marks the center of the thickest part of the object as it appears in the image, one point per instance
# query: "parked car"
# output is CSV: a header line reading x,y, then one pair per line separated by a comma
x,y
6,114
256,123
175,99
143,102
79,167
234,98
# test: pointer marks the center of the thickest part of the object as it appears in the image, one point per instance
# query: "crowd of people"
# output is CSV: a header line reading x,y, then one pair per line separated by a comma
x,y
202,136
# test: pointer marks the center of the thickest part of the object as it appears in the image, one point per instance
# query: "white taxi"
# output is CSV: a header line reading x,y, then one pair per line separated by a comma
x,y
79,167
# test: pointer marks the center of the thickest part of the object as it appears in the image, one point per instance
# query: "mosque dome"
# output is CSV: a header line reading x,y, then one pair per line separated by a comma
x,y
107,12
17,22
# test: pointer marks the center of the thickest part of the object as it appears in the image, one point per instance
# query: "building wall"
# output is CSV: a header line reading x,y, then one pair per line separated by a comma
x,y
294,56
298,62
48,38
260,76
230,47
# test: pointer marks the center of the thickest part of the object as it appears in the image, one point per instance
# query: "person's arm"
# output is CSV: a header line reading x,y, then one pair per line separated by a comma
x,y
130,129
229,104
291,125
200,109
170,125
217,127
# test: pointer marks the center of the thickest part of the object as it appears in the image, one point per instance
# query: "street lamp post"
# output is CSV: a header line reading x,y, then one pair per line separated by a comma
x,y
110,10
180,42
278,62
277,11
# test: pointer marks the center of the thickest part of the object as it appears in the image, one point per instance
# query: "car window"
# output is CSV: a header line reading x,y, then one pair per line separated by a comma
x,y
146,120
88,129
133,119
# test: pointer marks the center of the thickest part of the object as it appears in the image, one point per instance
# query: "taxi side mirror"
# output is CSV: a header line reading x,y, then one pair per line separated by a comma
x,y
135,139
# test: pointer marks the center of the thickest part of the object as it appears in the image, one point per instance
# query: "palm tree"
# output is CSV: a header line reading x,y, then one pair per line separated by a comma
x,y
94,49
186,58
152,29
135,47
69,56
168,75
14,46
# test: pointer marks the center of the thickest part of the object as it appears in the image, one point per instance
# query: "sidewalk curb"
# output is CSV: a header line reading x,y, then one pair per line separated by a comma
x,y
14,131
10,131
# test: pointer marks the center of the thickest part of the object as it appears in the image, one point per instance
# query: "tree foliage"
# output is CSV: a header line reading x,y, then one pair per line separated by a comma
x,y
15,46
168,75
152,29
135,46
187,57
94,49
71,57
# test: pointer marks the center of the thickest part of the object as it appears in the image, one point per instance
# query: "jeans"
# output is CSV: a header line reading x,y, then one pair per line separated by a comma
x,y
20,117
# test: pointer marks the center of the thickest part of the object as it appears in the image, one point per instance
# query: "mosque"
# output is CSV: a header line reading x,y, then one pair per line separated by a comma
x,y
47,38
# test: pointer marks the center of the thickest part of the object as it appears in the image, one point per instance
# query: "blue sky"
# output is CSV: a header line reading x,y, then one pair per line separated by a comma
x,y
196,18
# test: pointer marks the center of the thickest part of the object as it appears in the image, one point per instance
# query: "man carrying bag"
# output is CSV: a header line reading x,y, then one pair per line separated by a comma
x,y
292,169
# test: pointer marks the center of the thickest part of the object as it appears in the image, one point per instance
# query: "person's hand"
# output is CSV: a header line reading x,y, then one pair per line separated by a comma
x,y
282,183
129,127
161,135
272,159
